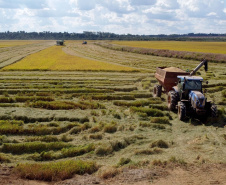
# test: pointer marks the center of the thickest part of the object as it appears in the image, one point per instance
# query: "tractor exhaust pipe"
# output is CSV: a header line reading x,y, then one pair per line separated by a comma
x,y
204,62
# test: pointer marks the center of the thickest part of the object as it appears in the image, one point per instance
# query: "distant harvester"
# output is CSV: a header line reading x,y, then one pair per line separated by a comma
x,y
60,42
84,42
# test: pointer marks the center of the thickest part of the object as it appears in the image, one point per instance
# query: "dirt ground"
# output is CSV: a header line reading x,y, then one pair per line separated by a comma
x,y
205,174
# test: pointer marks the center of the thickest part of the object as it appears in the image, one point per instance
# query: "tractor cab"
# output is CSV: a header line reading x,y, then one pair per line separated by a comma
x,y
186,84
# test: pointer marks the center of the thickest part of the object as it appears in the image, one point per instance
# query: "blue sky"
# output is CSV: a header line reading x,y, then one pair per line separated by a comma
x,y
116,16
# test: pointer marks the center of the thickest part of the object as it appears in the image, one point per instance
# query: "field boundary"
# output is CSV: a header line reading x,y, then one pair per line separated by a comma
x,y
215,58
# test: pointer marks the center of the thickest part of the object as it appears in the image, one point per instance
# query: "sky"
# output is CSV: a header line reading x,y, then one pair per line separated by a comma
x,y
143,17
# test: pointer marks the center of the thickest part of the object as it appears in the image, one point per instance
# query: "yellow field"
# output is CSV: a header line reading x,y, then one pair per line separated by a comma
x,y
11,43
54,58
205,47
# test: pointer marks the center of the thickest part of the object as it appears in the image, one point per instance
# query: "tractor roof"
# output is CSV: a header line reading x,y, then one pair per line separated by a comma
x,y
191,78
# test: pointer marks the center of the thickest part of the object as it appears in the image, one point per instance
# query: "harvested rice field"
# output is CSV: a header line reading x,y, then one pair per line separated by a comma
x,y
61,124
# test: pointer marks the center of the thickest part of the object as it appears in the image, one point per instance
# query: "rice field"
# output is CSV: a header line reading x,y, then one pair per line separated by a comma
x,y
12,43
203,47
54,58
101,120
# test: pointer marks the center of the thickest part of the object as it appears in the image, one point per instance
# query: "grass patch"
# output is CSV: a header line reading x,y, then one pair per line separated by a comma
x,y
10,128
139,103
49,138
59,105
158,126
160,107
79,128
104,150
110,128
54,171
175,160
21,99
4,158
96,136
76,151
43,139
161,120
224,136
6,100
159,144
148,111
32,147
224,93
148,151
95,129
110,97
108,172
123,161
145,124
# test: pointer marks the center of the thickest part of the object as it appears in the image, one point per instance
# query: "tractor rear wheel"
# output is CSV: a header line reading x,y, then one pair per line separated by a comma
x,y
172,100
213,110
157,92
181,111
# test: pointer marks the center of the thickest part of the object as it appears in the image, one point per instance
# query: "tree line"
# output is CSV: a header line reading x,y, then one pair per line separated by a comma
x,y
87,35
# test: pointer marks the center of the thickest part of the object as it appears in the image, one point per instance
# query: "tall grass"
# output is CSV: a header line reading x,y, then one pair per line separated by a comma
x,y
162,120
224,93
4,158
32,147
63,153
76,151
16,129
148,151
139,103
148,111
110,97
54,171
159,144
59,105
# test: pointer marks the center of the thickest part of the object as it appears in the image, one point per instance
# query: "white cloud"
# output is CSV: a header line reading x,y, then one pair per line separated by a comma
x,y
117,16
212,14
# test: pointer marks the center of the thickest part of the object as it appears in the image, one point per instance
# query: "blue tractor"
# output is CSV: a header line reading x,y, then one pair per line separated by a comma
x,y
187,96
190,98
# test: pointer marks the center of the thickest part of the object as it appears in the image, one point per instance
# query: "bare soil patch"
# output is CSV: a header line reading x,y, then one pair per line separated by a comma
x,y
205,174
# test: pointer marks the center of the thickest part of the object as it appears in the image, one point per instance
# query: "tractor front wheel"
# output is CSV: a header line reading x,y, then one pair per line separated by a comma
x,y
157,92
181,111
172,100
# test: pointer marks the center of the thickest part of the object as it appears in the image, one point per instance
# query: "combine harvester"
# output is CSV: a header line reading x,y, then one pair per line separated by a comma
x,y
185,92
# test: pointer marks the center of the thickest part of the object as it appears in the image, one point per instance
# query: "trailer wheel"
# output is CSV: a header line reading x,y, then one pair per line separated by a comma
x,y
172,100
181,111
213,110
157,92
